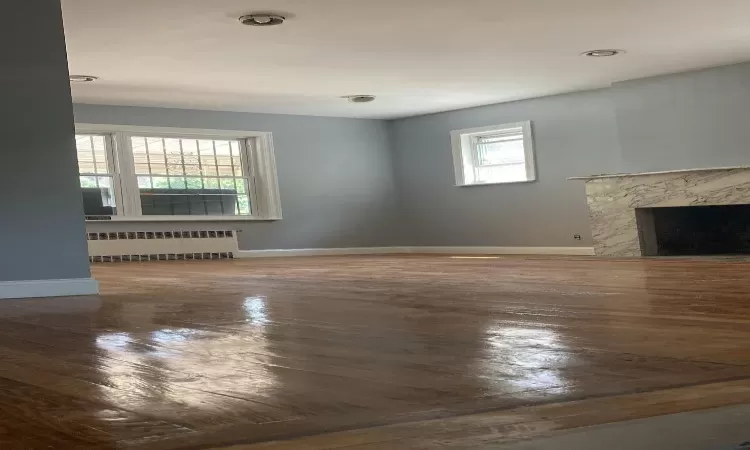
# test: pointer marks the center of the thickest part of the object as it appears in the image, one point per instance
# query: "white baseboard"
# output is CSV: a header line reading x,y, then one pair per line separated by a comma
x,y
48,288
322,252
573,251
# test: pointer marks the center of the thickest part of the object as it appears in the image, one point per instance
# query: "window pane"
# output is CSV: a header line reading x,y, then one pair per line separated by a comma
x,y
144,182
501,174
160,182
211,183
208,165
97,184
177,183
191,169
98,196
190,202
141,168
240,186
227,184
174,165
205,147
190,176
172,146
500,150
222,148
243,202
157,167
155,145
226,171
92,154
190,146
100,152
88,182
194,182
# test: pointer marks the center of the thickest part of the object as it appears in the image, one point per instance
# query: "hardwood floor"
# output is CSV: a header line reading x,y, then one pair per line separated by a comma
x,y
370,352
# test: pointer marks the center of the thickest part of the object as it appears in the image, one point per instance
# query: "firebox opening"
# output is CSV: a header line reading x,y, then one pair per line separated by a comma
x,y
694,230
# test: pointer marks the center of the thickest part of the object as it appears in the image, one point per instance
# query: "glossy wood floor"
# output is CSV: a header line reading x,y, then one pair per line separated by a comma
x,y
364,353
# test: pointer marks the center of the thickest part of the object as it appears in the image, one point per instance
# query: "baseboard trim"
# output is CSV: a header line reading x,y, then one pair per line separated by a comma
x,y
48,288
321,252
572,251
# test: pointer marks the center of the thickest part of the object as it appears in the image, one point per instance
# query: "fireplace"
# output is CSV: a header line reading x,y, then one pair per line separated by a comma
x,y
694,230
652,213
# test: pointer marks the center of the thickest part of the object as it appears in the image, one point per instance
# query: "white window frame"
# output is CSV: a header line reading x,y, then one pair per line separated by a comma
x,y
257,153
112,169
464,153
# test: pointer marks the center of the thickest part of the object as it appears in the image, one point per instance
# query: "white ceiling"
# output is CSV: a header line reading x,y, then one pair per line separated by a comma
x,y
417,56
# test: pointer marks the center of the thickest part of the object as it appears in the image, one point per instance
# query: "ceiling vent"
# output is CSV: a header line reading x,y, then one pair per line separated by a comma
x,y
262,20
82,78
603,53
360,98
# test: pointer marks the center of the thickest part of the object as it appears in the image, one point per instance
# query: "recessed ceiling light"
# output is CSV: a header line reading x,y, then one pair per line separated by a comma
x,y
262,19
603,53
82,78
360,98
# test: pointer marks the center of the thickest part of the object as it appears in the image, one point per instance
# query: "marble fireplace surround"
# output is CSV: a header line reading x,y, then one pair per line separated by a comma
x,y
612,200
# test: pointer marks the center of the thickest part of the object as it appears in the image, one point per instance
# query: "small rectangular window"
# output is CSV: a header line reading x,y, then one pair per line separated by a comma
x,y
493,155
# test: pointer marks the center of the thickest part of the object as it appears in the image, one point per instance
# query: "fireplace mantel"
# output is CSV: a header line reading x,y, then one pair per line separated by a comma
x,y
613,198
662,172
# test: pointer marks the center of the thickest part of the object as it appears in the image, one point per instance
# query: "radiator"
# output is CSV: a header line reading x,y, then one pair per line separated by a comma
x,y
161,245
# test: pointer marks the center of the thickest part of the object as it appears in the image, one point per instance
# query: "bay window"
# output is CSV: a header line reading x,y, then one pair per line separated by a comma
x,y
146,174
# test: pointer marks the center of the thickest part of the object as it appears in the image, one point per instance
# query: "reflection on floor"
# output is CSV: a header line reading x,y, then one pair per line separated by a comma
x,y
371,352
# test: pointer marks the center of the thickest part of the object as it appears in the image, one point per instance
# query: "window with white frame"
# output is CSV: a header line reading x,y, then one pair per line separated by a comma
x,y
494,155
145,175
96,172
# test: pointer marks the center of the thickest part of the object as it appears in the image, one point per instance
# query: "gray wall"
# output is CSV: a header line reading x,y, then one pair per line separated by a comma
x,y
682,121
685,121
574,134
335,176
41,221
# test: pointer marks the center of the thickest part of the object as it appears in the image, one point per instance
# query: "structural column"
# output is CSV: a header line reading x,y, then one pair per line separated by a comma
x,y
42,230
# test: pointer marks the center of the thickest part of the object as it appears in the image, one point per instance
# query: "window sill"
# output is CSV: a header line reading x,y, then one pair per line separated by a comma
x,y
188,219
494,183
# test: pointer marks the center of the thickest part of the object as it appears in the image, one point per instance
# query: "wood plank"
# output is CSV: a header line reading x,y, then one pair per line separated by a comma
x,y
211,353
478,430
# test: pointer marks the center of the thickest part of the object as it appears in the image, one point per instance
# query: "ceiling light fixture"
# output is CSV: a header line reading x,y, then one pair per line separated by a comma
x,y
82,78
603,53
262,20
360,98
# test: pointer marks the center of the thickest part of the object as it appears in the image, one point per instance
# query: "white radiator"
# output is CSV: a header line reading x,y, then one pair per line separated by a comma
x,y
161,245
